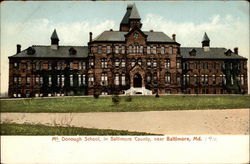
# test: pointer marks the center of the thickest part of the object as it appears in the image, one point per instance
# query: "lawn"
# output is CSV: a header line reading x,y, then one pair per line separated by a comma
x,y
27,129
138,103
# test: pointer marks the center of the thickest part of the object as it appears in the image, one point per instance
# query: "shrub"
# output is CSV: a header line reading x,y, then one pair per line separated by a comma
x,y
128,99
96,95
116,99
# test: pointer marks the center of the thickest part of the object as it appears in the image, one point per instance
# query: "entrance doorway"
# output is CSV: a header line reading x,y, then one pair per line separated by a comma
x,y
137,81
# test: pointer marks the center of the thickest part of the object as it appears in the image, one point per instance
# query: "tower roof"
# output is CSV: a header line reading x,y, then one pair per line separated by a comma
x,y
205,37
134,13
54,35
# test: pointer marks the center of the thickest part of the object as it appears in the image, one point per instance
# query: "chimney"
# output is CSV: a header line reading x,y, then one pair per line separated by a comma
x,y
236,50
111,29
173,36
90,36
18,48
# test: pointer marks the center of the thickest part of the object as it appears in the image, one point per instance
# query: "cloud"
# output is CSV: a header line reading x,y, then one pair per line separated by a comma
x,y
38,32
225,31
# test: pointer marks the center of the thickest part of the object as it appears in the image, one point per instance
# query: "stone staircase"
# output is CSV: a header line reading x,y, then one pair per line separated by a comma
x,y
139,91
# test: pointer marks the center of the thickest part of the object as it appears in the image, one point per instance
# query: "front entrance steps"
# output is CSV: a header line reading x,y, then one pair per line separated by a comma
x,y
135,91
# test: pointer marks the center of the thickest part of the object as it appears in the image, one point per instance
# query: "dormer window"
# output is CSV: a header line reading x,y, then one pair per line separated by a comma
x,y
72,51
192,52
228,52
31,51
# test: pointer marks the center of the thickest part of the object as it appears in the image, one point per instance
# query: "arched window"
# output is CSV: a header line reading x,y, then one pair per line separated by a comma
x,y
149,76
133,62
167,78
117,81
130,49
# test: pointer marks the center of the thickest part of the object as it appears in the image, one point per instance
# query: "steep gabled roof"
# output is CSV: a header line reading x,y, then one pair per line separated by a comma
x,y
134,13
213,53
119,36
47,52
125,19
205,38
54,35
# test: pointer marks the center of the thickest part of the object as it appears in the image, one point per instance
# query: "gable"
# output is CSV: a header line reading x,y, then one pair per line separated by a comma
x,y
136,36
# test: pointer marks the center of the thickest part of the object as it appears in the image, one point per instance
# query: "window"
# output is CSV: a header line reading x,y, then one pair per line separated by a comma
x,y
71,80
148,78
223,66
38,65
50,80
99,49
148,49
59,65
154,63
178,64
232,79
83,79
123,63
123,79
206,79
91,79
27,80
117,62
195,65
133,62
170,50
167,78
224,79
167,66
188,80
28,65
184,82
242,79
104,63
116,49
70,65
231,66
162,50
37,79
15,80
91,63
154,50
130,49
202,79
141,49
104,79
149,63
62,78
58,80
82,65
108,49
155,78
214,79
195,79
116,79
205,65
50,66
178,80
79,80
123,49
139,62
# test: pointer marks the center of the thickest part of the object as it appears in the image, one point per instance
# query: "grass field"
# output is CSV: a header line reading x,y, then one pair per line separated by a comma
x,y
138,103
27,129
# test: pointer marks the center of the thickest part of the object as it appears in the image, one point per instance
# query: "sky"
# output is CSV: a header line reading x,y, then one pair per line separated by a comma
x,y
32,23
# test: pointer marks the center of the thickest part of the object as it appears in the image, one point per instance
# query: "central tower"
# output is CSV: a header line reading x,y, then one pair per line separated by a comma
x,y
130,19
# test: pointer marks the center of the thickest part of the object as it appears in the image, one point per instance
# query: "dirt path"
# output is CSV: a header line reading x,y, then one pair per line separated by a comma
x,y
189,122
